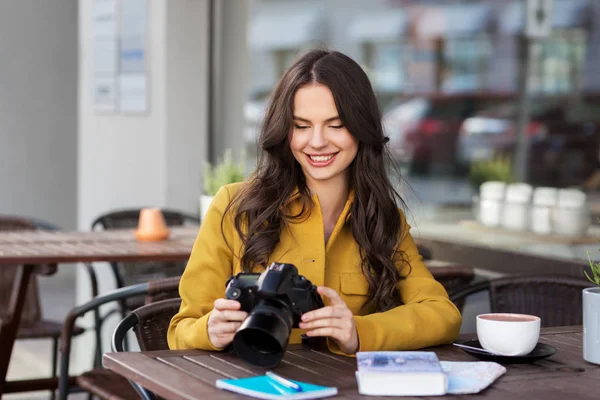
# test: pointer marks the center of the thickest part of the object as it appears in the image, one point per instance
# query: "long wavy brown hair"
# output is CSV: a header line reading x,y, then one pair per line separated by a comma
x,y
260,207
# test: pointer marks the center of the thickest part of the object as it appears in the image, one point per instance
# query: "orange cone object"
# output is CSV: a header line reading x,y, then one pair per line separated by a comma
x,y
151,226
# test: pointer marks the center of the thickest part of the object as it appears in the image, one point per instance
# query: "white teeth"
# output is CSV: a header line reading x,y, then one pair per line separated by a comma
x,y
321,158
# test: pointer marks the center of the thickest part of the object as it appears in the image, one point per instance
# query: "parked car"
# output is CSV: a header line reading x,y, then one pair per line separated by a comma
x,y
563,139
423,130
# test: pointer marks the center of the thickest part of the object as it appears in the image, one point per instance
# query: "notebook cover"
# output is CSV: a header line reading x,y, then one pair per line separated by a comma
x,y
262,387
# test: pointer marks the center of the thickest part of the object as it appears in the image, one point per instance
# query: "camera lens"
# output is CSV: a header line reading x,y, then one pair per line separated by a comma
x,y
263,337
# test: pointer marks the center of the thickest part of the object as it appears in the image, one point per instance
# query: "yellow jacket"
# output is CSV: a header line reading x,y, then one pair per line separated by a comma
x,y
426,318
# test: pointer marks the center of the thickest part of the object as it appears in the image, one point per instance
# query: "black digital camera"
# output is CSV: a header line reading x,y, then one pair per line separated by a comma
x,y
275,300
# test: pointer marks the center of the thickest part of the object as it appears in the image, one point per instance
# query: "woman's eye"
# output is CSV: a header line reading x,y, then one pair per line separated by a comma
x,y
336,126
301,126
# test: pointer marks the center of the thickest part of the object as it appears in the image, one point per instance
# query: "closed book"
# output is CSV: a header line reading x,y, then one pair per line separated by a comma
x,y
262,387
400,373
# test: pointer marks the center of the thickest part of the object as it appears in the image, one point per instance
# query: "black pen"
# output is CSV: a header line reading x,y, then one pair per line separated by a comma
x,y
284,382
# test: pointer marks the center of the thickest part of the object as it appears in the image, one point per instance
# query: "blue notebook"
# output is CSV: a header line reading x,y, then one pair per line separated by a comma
x,y
262,387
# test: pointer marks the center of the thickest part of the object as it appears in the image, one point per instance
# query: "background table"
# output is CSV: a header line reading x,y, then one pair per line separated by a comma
x,y
40,251
191,374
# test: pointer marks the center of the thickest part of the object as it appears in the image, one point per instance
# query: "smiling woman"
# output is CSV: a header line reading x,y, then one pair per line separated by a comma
x,y
320,199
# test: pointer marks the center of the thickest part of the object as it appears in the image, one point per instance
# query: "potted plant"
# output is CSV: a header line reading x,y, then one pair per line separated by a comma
x,y
224,172
591,315
497,169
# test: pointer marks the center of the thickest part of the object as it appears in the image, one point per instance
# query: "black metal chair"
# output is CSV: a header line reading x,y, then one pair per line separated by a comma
x,y
453,276
150,324
100,382
131,273
555,299
127,273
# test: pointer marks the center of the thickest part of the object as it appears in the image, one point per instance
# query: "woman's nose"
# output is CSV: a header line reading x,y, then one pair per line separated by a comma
x,y
318,138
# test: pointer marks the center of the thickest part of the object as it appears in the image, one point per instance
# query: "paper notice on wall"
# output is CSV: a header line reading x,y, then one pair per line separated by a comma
x,y
105,19
105,55
134,17
133,54
120,78
133,93
134,28
105,92
133,78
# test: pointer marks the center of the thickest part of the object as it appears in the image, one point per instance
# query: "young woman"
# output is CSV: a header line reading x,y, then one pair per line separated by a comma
x,y
320,199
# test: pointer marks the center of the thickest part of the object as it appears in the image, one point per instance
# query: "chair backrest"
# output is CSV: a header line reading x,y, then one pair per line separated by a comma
x,y
31,309
150,324
452,276
162,289
140,272
129,219
153,323
556,299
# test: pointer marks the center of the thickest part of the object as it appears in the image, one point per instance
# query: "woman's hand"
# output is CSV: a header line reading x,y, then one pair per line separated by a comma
x,y
224,320
335,321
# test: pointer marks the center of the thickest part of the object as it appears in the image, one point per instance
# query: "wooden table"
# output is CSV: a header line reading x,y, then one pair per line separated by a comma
x,y
191,374
29,249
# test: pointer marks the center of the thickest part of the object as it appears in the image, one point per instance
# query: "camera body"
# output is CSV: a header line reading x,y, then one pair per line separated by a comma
x,y
274,300
278,283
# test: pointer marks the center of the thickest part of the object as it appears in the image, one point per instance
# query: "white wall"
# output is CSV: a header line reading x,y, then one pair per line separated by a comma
x,y
38,109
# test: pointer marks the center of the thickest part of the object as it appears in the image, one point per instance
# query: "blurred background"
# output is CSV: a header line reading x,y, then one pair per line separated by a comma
x,y
108,104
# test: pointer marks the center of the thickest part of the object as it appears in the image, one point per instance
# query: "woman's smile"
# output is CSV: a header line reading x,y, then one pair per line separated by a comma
x,y
321,160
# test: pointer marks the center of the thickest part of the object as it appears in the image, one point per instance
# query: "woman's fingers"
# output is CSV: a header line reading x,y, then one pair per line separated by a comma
x,y
226,304
341,335
332,295
226,328
229,315
225,339
342,323
327,312
225,319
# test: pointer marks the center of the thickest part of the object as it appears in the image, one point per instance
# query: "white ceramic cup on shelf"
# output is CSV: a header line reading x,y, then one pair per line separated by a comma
x,y
508,334
491,198
515,214
544,201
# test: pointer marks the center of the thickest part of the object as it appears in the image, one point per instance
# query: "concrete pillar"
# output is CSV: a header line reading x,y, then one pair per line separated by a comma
x,y
149,159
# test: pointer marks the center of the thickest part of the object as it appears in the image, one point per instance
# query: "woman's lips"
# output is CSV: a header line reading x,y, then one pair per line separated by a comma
x,y
321,160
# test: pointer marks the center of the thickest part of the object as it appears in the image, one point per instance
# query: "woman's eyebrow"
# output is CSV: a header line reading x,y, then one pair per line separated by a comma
x,y
306,120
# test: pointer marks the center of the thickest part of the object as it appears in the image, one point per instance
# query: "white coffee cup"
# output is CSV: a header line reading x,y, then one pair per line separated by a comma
x,y
508,334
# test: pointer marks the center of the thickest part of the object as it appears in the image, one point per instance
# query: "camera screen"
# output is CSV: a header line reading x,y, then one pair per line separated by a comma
x,y
247,277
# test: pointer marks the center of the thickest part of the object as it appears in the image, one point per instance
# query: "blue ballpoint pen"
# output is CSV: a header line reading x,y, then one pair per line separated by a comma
x,y
284,382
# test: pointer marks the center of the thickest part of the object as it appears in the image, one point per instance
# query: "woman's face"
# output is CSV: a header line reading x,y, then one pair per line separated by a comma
x,y
319,141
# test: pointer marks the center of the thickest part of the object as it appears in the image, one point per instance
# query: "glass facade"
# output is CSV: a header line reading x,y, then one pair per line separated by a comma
x,y
440,68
